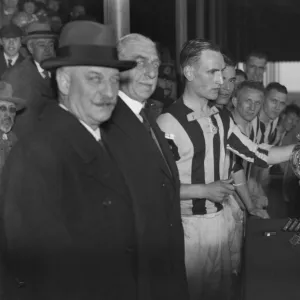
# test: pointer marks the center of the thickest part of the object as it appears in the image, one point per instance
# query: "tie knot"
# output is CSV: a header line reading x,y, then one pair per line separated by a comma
x,y
9,62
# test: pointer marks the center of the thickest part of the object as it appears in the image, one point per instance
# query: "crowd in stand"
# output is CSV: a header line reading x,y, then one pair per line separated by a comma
x,y
115,186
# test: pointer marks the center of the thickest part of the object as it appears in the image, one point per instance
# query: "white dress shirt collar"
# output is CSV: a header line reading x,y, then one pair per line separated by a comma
x,y
95,133
13,59
134,105
40,69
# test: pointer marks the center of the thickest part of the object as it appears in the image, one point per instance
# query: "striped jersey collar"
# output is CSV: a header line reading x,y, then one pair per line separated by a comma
x,y
193,115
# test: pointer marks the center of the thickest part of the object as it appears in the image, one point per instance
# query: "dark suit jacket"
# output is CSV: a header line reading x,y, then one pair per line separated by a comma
x,y
67,217
155,193
28,84
3,65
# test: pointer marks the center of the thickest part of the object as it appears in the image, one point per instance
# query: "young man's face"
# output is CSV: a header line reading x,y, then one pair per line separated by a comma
x,y
255,68
11,46
248,103
205,75
290,121
274,104
228,86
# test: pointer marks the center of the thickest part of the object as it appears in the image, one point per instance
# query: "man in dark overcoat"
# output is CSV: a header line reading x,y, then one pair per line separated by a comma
x,y
11,36
29,80
68,228
144,157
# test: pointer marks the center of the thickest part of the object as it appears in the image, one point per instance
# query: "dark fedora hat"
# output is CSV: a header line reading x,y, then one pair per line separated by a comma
x,y
87,43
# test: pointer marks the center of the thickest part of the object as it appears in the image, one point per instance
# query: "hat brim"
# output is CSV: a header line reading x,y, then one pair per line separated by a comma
x,y
18,102
25,39
57,62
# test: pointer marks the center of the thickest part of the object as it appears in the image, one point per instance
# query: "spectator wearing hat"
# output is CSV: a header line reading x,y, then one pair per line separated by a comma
x,y
9,105
70,225
29,79
11,41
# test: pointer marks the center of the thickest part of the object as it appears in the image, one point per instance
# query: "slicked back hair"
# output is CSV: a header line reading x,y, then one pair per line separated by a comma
x,y
130,38
249,84
239,72
292,109
258,54
228,61
277,87
192,49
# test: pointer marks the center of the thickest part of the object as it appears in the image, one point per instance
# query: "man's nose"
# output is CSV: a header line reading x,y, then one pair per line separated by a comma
x,y
219,78
151,71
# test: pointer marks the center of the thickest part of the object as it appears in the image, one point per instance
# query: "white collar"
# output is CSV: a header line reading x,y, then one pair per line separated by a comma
x,y
13,59
134,105
95,133
40,69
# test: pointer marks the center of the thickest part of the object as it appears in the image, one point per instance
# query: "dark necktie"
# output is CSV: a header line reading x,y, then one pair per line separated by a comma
x,y
9,61
152,134
145,121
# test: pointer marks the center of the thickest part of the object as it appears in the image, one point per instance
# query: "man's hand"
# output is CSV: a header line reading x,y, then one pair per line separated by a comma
x,y
217,191
261,213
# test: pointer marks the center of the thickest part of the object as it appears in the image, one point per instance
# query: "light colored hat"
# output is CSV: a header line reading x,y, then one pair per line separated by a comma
x,y
6,94
38,30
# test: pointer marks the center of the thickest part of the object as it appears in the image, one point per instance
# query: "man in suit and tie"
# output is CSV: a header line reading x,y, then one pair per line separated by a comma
x,y
68,218
144,157
11,42
30,80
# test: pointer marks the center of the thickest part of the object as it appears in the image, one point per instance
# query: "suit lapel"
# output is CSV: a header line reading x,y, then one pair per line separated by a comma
x,y
127,121
99,164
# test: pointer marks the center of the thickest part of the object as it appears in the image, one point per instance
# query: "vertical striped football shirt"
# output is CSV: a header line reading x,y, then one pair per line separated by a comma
x,y
199,143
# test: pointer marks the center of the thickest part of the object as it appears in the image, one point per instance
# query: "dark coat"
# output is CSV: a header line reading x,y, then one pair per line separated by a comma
x,y
3,65
155,193
67,217
28,84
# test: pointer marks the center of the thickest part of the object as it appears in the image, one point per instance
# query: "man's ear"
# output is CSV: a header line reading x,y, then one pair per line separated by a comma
x,y
30,46
234,101
188,72
63,78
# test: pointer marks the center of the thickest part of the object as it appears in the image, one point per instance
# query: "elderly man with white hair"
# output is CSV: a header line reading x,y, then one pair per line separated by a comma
x,y
147,164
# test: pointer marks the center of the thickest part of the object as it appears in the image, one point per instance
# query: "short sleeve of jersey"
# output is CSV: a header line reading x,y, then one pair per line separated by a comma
x,y
180,145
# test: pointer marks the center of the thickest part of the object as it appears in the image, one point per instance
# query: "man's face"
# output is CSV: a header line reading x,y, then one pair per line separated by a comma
x,y
29,7
93,93
255,68
10,3
227,87
7,116
248,103
166,85
290,121
41,49
53,5
206,78
139,83
274,104
77,11
11,46
239,79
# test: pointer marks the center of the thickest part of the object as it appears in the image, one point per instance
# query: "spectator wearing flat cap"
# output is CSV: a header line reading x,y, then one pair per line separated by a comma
x,y
11,36
29,79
